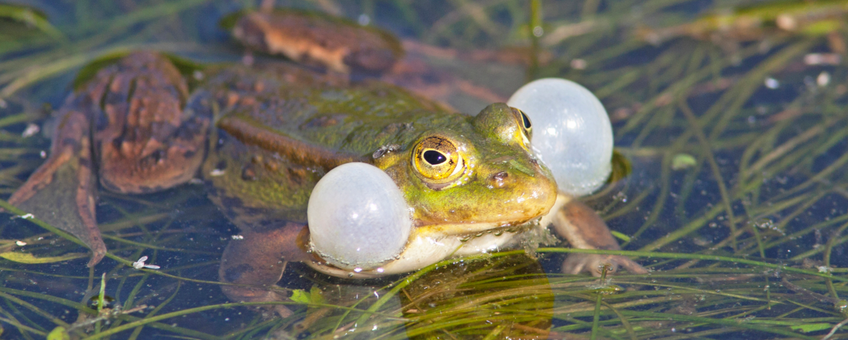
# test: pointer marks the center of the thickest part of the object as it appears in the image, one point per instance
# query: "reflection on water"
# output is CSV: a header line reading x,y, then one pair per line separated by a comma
x,y
733,119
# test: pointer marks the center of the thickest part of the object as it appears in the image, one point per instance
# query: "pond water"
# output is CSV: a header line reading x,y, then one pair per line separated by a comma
x,y
732,117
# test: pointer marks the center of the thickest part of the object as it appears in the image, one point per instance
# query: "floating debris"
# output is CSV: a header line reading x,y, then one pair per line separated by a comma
x,y
30,130
823,79
771,83
363,20
578,64
822,59
140,264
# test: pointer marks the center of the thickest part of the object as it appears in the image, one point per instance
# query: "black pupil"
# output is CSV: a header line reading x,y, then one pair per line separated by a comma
x,y
434,157
526,121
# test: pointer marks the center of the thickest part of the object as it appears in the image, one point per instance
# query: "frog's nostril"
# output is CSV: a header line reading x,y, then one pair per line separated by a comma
x,y
498,179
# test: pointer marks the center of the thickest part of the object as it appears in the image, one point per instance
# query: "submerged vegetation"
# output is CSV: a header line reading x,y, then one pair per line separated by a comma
x,y
733,117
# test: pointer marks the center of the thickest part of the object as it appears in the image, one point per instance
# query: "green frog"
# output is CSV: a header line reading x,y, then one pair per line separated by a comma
x,y
261,136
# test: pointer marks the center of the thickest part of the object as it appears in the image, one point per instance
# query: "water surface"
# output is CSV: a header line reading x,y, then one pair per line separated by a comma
x,y
736,133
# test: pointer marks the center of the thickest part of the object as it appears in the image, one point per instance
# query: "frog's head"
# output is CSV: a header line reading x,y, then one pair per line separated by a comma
x,y
476,176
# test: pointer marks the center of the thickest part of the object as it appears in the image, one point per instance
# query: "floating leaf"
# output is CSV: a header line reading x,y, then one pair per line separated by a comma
x,y
316,295
682,161
301,296
30,259
606,289
621,167
811,327
58,333
29,17
229,20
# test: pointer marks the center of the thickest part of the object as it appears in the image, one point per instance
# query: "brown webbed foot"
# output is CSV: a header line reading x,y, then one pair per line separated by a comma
x,y
584,229
594,263
253,264
255,294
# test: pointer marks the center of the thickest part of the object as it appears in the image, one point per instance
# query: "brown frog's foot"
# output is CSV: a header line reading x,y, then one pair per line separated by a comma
x,y
595,264
584,229
253,264
313,38
254,294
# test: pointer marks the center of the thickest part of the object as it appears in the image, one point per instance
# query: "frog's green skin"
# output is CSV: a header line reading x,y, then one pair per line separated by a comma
x,y
266,161
266,134
308,129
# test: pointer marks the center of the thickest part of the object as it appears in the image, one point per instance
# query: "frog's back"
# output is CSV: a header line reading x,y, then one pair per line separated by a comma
x,y
282,127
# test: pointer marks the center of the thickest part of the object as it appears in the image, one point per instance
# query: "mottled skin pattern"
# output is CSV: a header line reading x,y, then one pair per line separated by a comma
x,y
277,130
130,116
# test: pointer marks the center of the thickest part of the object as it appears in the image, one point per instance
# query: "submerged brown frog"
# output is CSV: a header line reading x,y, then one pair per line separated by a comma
x,y
262,136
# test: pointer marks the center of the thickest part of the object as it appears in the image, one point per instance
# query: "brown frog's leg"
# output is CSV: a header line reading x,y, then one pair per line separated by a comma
x,y
313,38
584,229
252,265
62,191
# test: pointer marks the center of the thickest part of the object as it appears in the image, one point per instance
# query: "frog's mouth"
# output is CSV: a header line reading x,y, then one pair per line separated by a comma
x,y
474,228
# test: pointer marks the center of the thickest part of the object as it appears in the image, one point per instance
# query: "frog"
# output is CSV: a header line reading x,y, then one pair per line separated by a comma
x,y
261,135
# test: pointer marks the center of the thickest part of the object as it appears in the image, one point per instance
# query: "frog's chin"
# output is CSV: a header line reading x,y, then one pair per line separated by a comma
x,y
430,244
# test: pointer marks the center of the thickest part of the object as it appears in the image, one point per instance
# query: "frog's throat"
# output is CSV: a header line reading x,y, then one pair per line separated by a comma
x,y
430,244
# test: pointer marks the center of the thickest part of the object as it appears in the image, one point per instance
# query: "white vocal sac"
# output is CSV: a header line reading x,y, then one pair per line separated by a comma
x,y
358,218
572,133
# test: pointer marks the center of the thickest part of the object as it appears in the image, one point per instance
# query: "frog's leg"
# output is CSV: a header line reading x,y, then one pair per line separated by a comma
x,y
61,191
129,116
252,265
320,40
584,229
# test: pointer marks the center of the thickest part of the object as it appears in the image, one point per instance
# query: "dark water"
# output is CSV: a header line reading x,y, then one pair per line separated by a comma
x,y
737,198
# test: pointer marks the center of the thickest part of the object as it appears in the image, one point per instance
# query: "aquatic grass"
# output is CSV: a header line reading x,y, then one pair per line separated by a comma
x,y
716,172
126,262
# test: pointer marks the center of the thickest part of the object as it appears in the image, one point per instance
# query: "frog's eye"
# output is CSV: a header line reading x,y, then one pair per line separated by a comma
x,y
438,159
524,121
